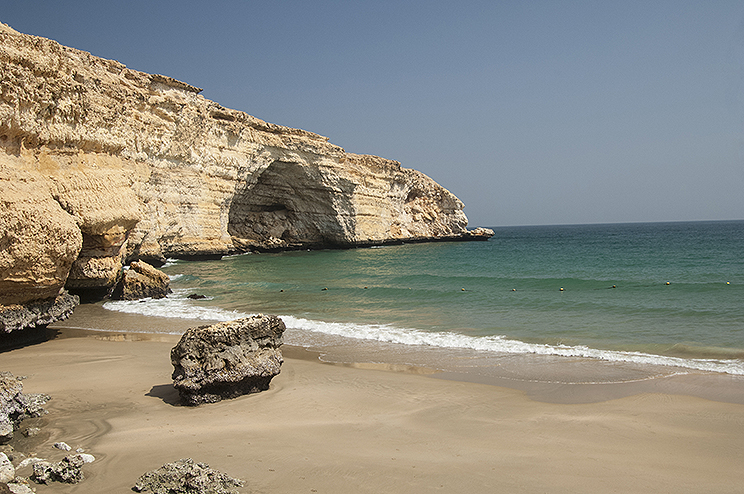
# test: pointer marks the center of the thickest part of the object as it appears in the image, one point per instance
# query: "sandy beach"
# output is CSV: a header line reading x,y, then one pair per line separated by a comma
x,y
344,428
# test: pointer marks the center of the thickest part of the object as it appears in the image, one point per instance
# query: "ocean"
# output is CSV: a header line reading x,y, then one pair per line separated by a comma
x,y
575,303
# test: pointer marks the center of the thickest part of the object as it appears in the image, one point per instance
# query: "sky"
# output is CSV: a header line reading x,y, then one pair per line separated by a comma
x,y
531,112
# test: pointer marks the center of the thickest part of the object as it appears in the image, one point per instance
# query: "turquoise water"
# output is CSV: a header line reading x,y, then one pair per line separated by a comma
x,y
678,296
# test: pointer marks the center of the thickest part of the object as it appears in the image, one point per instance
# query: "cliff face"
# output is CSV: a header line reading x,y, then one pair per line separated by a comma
x,y
100,163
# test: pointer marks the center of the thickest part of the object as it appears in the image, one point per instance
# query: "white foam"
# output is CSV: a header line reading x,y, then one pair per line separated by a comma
x,y
239,254
500,344
177,305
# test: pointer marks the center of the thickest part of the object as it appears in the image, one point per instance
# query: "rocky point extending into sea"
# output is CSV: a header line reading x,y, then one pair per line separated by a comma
x,y
101,164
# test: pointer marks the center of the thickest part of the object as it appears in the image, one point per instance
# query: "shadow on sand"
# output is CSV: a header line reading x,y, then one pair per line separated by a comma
x,y
167,393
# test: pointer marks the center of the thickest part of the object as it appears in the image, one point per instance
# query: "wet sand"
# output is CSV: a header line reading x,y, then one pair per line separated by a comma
x,y
366,428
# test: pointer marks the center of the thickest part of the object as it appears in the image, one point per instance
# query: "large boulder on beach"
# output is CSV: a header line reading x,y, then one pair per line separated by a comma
x,y
228,359
142,281
186,476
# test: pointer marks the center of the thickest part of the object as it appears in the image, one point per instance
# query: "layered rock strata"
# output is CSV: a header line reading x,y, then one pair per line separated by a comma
x,y
227,360
100,164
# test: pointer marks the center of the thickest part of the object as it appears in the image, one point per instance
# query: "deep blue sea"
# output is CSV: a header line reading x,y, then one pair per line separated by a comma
x,y
658,294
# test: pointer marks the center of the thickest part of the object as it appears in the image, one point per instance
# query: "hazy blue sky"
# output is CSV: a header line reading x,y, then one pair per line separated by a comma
x,y
530,112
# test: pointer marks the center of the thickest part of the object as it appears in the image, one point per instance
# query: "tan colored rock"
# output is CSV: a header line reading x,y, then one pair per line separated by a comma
x,y
141,281
102,163
210,180
75,211
95,272
39,241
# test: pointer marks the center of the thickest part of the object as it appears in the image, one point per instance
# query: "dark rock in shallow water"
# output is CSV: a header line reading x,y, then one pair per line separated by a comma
x,y
186,477
196,296
16,406
228,359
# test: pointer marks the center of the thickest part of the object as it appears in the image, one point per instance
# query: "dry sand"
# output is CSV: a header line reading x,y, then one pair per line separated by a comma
x,y
342,429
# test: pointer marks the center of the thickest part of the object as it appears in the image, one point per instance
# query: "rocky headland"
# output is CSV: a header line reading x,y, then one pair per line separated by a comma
x,y
101,164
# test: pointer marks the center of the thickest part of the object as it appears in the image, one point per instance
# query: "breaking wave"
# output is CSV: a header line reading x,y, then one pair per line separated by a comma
x,y
177,305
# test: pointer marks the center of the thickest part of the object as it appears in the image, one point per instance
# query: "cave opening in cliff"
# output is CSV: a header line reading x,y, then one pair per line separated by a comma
x,y
292,205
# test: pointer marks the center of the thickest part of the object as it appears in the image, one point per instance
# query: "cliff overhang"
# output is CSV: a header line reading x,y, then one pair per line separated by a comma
x,y
101,164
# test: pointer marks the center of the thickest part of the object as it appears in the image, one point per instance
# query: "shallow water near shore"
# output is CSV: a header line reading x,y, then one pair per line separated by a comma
x,y
569,304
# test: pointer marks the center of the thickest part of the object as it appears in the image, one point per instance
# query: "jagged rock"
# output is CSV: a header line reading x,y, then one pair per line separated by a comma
x,y
12,405
19,486
141,281
15,406
98,273
69,470
7,470
186,477
37,314
227,359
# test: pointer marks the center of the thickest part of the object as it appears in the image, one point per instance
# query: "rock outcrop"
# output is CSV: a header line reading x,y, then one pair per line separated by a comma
x,y
186,476
101,164
16,406
69,470
37,314
7,470
142,281
228,359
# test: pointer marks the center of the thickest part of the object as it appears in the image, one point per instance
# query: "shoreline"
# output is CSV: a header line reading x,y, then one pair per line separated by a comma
x,y
543,378
356,428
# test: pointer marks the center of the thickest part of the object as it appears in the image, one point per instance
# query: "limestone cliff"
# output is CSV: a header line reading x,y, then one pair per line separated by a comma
x,y
100,163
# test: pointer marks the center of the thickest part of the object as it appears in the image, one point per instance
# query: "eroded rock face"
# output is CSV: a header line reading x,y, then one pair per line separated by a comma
x,y
142,281
228,359
39,241
209,180
37,314
101,164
